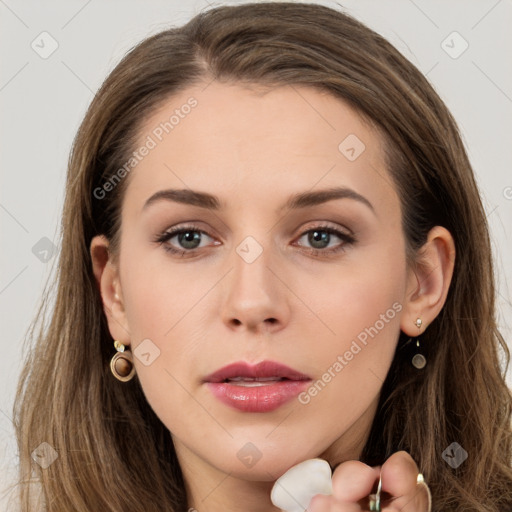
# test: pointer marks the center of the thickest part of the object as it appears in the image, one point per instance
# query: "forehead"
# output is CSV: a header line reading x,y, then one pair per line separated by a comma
x,y
231,138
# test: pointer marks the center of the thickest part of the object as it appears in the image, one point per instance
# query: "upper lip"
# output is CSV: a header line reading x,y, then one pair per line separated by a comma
x,y
264,369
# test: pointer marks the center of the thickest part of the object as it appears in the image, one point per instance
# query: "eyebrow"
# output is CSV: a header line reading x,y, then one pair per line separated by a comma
x,y
295,202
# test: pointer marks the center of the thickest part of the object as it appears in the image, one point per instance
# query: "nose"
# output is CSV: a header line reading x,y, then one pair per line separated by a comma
x,y
257,299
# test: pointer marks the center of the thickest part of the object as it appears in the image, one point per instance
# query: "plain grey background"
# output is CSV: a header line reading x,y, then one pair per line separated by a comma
x,y
55,55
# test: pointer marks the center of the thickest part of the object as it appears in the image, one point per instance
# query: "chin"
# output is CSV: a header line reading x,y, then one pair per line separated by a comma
x,y
254,462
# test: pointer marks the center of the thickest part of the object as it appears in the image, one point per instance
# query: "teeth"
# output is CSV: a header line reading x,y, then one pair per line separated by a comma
x,y
253,382
252,379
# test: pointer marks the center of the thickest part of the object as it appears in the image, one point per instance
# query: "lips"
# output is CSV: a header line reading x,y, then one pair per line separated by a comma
x,y
262,372
256,388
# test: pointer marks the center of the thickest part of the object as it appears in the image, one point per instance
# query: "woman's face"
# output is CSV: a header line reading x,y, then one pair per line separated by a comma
x,y
272,269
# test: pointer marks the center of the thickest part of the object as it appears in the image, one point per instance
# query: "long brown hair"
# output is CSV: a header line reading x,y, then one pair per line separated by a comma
x,y
114,454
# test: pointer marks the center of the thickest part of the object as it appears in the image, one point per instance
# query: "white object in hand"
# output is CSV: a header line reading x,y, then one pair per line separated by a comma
x,y
293,490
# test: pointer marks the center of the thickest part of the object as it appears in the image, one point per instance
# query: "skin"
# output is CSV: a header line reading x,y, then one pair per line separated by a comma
x,y
203,311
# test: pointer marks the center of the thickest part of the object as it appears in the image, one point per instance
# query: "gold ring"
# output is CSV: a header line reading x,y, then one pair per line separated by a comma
x,y
421,480
374,499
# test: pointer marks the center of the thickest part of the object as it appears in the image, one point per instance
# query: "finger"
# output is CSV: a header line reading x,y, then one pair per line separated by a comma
x,y
345,507
399,478
418,500
399,474
353,480
422,499
321,503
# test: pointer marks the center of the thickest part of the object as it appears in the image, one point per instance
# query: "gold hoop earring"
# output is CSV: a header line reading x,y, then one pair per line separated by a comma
x,y
121,364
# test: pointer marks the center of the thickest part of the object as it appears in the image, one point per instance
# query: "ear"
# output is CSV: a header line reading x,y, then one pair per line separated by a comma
x,y
107,279
428,282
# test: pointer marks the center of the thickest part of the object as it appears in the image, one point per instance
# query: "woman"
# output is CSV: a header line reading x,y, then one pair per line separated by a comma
x,y
273,250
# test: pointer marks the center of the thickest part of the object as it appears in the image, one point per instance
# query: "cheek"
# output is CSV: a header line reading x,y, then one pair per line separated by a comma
x,y
362,296
159,294
352,361
361,312
164,305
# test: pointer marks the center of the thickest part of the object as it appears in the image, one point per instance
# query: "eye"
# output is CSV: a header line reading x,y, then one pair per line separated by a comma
x,y
321,236
188,239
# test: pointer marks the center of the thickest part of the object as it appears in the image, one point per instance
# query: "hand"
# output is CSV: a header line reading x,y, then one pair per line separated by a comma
x,y
354,481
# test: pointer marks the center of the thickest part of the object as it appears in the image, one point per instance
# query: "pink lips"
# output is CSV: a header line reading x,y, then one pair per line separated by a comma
x,y
256,388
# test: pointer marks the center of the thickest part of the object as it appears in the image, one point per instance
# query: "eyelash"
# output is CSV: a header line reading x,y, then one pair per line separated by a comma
x,y
165,236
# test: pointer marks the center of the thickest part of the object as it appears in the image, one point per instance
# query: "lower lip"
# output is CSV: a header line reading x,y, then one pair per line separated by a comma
x,y
264,398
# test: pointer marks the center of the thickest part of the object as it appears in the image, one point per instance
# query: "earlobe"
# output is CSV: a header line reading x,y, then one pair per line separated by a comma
x,y
429,281
109,286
